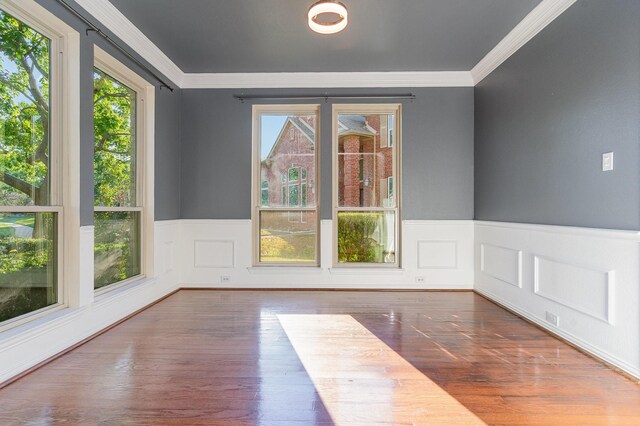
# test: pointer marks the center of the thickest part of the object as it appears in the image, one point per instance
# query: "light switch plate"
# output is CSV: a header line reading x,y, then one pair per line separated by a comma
x,y
607,161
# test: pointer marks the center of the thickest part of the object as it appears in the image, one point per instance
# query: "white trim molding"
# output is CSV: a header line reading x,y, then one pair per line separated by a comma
x,y
532,24
326,80
123,28
126,31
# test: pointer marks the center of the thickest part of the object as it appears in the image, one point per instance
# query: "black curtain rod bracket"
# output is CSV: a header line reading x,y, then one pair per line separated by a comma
x,y
93,28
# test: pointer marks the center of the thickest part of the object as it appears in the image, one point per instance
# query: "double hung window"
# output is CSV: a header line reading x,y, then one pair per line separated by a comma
x,y
285,214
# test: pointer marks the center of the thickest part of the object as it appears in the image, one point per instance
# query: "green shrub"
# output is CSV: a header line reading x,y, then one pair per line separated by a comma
x,y
17,253
113,261
354,237
20,300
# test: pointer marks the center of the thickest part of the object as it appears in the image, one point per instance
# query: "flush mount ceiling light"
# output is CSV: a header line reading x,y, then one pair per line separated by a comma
x,y
327,17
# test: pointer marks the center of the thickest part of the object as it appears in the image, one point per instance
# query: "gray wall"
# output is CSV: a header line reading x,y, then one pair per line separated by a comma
x,y
167,138
544,118
437,153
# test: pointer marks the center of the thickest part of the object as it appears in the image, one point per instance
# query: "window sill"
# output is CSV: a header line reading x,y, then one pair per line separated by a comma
x,y
56,317
284,270
105,294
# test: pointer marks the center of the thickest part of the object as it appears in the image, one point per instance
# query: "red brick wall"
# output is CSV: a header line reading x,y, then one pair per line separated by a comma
x,y
293,150
375,169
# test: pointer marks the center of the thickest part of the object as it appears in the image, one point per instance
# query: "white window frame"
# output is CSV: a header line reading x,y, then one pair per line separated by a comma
x,y
145,118
368,109
64,71
293,109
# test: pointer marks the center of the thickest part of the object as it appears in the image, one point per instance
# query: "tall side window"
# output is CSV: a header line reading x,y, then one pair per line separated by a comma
x,y
120,218
30,201
285,214
366,214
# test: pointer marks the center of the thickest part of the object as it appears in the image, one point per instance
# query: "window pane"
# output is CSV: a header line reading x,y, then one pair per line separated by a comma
x,y
293,195
24,115
304,195
365,160
28,263
114,123
287,236
116,247
287,154
366,237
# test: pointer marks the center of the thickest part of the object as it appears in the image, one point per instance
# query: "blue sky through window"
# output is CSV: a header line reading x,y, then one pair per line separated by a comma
x,y
270,129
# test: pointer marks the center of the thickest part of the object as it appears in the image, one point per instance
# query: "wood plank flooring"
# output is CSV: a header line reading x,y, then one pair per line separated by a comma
x,y
272,357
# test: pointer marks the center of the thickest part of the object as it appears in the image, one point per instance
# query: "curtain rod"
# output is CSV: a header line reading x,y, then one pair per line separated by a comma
x,y
243,98
114,43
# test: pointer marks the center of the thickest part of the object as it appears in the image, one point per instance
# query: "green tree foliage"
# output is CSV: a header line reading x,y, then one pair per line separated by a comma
x,y
116,251
25,122
114,132
24,114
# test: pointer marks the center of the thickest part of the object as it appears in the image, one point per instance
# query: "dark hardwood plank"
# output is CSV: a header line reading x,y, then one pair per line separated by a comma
x,y
224,357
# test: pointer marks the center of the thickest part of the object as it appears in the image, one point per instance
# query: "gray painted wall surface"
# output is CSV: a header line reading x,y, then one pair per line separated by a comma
x,y
437,153
167,175
544,118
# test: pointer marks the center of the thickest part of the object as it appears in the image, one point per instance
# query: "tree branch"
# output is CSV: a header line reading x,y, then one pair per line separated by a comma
x,y
111,95
22,90
41,103
16,183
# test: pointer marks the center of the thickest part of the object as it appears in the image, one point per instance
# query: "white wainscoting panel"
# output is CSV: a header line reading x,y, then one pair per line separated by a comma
x,y
439,252
588,278
213,254
501,263
582,288
28,344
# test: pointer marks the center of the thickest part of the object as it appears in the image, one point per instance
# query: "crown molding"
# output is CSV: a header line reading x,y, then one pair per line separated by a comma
x,y
326,79
541,16
123,28
119,24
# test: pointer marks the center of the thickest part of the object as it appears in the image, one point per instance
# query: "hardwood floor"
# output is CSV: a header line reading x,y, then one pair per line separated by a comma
x,y
250,357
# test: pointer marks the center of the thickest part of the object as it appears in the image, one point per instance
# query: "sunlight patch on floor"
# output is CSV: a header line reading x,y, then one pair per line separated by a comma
x,y
362,380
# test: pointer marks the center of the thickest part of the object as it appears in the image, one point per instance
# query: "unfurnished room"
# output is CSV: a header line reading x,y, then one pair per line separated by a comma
x,y
320,212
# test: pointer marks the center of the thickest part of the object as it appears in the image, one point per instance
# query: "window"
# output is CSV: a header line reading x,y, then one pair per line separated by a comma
x,y
264,193
366,172
286,228
121,214
293,174
31,199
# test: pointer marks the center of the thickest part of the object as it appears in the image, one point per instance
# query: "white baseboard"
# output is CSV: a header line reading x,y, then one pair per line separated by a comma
x,y
588,278
439,251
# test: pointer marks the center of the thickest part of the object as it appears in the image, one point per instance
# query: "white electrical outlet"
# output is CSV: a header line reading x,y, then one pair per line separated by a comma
x,y
419,280
553,318
607,161
225,279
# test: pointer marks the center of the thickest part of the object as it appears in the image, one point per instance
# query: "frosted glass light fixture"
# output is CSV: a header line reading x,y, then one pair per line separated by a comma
x,y
328,17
